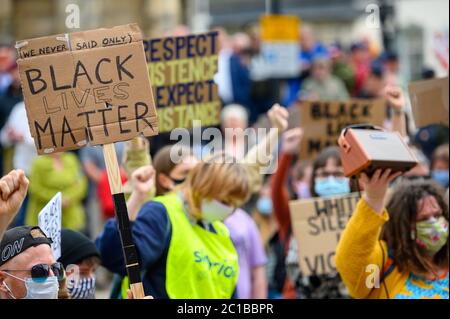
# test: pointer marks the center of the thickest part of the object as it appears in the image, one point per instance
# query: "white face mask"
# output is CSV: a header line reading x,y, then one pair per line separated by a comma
x,y
213,210
38,290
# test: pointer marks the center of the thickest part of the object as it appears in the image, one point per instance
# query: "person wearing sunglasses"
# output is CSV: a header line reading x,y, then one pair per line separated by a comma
x,y
28,269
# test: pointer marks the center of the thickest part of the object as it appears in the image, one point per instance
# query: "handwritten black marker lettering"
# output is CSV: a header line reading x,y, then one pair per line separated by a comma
x,y
54,84
88,124
105,127
142,115
79,66
120,93
122,118
84,97
38,128
36,78
120,67
97,71
48,109
66,129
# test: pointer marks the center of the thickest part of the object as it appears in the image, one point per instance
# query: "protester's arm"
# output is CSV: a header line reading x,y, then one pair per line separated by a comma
x,y
359,246
259,283
143,181
280,196
149,233
396,100
258,260
13,189
278,116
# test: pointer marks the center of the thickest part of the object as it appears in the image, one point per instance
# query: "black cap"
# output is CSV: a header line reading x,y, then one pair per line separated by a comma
x,y
75,247
18,239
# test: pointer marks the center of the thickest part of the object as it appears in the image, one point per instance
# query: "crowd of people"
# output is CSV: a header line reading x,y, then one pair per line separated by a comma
x,y
216,227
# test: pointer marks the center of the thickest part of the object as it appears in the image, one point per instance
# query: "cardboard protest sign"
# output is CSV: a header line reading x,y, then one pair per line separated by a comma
x,y
49,220
429,101
86,87
181,70
323,121
317,224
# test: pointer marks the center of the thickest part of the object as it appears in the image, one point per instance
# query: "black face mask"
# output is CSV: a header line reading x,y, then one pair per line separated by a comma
x,y
177,181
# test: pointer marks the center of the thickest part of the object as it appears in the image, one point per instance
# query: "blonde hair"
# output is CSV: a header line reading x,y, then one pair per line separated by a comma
x,y
218,177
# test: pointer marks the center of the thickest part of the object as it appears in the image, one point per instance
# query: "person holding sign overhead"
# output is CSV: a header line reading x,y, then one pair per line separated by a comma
x,y
169,174
400,249
327,180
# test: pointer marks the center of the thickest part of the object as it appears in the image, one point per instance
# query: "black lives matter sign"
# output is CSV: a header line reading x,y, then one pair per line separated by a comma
x,y
317,224
86,87
323,121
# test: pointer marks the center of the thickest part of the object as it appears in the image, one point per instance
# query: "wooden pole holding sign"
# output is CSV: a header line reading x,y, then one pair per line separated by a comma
x,y
120,206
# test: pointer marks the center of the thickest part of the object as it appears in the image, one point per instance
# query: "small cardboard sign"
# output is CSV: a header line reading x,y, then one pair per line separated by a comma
x,y
86,87
317,224
182,70
49,220
323,121
429,101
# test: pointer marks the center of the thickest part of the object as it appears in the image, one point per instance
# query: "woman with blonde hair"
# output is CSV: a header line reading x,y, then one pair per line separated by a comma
x,y
185,250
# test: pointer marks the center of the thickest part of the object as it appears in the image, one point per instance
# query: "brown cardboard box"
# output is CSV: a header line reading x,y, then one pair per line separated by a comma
x,y
369,149
87,93
429,101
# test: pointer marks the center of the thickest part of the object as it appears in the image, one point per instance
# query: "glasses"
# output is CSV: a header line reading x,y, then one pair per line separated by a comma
x,y
40,272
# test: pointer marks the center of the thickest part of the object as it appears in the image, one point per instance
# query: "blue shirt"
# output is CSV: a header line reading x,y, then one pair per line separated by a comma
x,y
151,233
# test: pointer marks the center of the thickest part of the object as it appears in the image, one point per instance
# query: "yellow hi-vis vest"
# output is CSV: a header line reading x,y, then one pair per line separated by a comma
x,y
200,264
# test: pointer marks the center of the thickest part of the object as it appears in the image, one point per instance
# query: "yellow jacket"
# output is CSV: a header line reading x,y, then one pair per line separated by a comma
x,y
360,254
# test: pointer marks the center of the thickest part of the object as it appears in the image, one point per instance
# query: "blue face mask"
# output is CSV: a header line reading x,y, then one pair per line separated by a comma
x,y
440,176
264,205
331,186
